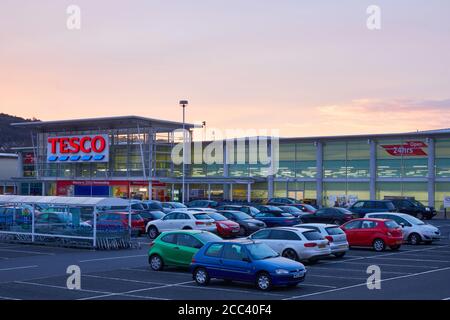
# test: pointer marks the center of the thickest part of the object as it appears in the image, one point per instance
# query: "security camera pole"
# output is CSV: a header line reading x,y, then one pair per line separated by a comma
x,y
183,103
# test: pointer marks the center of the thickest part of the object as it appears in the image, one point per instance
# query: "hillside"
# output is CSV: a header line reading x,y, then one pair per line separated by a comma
x,y
10,136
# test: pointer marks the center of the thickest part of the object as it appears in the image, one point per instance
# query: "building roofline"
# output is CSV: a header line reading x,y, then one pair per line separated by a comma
x,y
116,121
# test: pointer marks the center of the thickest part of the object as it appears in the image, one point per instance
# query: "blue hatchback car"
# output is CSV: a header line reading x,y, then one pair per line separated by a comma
x,y
246,261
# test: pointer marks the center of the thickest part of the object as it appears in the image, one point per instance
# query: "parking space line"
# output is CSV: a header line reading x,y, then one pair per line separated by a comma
x,y
365,284
146,270
139,290
316,285
407,259
125,280
232,290
394,265
358,270
18,268
59,287
114,258
335,277
8,298
28,251
123,295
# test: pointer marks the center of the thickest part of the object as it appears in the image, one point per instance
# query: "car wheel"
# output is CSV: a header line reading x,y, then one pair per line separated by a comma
x,y
152,232
290,254
156,263
263,281
395,248
201,276
339,254
378,245
414,238
187,228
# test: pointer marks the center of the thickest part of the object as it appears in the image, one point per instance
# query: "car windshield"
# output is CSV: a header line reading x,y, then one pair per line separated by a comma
x,y
273,208
241,215
334,231
391,224
309,207
417,203
202,216
254,210
205,237
260,251
343,210
157,214
291,209
217,216
178,205
414,220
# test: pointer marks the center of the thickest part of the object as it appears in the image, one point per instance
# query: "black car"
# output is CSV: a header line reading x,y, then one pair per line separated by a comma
x,y
251,211
202,204
414,208
296,212
151,215
247,224
336,216
368,206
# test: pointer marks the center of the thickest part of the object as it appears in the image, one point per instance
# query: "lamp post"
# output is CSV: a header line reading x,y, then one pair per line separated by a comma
x,y
183,104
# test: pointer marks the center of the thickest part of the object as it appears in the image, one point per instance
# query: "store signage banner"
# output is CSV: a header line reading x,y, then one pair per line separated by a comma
x,y
409,148
447,202
82,148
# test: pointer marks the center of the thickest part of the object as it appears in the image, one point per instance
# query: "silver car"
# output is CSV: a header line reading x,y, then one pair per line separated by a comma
x,y
333,233
414,230
299,244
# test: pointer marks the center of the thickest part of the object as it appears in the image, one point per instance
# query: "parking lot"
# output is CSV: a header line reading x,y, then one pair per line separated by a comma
x,y
38,272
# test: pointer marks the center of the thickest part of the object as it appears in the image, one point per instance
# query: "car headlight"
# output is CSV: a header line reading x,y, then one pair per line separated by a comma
x,y
251,224
281,271
427,209
223,225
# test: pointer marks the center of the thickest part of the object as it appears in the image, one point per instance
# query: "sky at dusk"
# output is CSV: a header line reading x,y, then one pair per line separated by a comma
x,y
303,67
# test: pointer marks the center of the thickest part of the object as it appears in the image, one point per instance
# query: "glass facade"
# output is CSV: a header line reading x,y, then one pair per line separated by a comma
x,y
396,159
347,160
417,190
297,160
442,158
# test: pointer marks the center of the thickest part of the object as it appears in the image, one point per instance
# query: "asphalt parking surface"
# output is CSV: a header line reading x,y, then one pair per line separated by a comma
x,y
38,272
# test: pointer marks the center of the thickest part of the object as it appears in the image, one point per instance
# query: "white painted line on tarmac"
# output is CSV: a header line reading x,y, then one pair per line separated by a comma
x,y
114,258
122,279
358,270
8,298
316,285
18,268
335,277
148,270
393,265
419,260
232,290
58,287
28,251
365,284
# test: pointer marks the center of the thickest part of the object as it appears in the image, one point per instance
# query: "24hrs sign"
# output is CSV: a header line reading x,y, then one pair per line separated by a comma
x,y
409,148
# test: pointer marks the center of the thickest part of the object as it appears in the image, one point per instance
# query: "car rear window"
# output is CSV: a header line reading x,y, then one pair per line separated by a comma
x,y
217,216
202,216
207,237
391,224
312,235
334,231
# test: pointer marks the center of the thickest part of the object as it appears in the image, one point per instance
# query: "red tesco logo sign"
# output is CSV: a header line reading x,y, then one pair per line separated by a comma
x,y
86,144
78,148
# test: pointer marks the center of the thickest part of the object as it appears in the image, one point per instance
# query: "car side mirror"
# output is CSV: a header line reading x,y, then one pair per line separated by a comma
x,y
402,224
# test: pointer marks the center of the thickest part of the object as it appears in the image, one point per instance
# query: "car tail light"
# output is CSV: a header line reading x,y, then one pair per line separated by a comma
x,y
310,244
152,244
199,223
193,260
329,238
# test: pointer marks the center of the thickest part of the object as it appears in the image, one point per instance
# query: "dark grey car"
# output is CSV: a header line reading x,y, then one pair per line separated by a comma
x,y
247,223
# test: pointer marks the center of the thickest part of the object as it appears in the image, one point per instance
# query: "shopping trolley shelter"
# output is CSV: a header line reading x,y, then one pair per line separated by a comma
x,y
38,270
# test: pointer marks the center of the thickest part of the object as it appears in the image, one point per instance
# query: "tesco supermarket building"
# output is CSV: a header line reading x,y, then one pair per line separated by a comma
x,y
130,157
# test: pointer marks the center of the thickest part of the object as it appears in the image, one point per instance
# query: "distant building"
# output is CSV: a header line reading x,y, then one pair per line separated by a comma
x,y
9,167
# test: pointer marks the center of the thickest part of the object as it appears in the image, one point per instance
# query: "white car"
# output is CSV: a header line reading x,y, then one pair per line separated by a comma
x,y
201,209
414,230
299,244
333,233
181,220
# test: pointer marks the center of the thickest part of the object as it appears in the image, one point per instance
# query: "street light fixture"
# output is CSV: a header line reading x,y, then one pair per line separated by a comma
x,y
183,104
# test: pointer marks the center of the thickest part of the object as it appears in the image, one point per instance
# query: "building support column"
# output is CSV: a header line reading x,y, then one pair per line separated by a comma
x,y
249,192
231,192
172,189
431,172
270,186
373,170
226,171
319,174
209,191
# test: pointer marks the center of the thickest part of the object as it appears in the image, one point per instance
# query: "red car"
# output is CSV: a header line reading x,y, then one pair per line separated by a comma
x,y
376,233
225,227
104,220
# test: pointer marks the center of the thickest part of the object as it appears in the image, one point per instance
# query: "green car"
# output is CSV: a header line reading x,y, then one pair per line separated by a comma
x,y
176,248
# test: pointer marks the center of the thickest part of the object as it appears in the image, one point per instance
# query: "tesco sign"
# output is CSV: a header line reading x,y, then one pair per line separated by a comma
x,y
83,148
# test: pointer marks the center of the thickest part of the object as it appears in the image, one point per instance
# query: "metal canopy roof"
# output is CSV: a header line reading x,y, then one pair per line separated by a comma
x,y
103,123
71,201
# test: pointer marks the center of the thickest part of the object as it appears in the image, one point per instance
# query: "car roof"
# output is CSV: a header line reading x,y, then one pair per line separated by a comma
x,y
392,213
370,219
295,229
240,241
325,225
185,231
